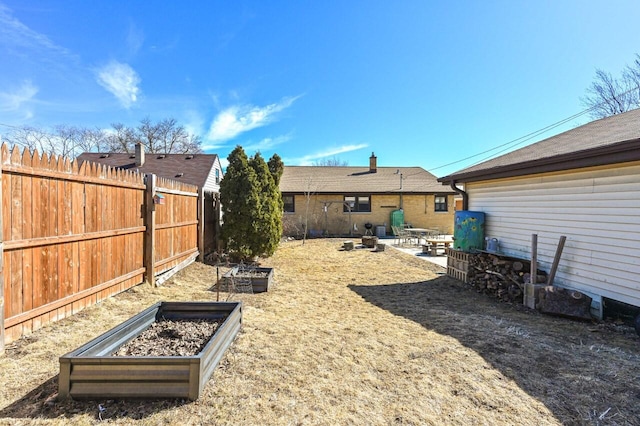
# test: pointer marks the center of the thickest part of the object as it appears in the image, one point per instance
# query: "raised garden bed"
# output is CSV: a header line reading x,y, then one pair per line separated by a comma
x,y
106,367
260,278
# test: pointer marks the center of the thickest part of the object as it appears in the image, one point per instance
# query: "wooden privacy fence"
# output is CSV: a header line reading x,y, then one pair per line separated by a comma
x,y
72,236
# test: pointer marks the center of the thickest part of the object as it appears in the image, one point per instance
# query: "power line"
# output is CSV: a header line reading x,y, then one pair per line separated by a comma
x,y
532,135
517,141
522,139
9,126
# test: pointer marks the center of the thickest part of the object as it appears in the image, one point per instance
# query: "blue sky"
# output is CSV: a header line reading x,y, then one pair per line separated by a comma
x,y
420,83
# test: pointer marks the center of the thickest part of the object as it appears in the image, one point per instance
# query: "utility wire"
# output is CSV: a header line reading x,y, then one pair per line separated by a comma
x,y
517,141
9,126
530,136
522,139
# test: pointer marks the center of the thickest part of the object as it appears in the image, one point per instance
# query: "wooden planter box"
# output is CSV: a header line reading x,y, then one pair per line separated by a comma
x,y
261,278
92,372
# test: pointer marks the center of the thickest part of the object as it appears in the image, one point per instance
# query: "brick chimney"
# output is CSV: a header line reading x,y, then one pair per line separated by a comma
x,y
139,154
373,163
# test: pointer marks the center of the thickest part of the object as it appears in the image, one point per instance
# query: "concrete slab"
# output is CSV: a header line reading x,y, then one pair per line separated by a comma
x,y
415,251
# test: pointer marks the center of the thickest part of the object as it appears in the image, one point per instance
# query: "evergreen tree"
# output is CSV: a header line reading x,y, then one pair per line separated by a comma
x,y
239,197
251,205
276,167
268,215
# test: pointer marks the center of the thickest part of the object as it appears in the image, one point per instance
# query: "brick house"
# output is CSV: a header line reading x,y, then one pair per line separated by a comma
x,y
340,200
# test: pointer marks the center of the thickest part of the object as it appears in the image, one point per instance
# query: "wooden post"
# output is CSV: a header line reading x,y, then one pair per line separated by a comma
x,y
150,231
1,270
217,283
556,260
217,213
531,288
534,259
201,224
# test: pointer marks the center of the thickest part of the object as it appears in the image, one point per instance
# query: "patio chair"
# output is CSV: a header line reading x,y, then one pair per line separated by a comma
x,y
400,234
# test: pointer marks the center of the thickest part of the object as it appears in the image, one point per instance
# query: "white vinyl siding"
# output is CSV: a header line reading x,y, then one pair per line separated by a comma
x,y
211,185
598,210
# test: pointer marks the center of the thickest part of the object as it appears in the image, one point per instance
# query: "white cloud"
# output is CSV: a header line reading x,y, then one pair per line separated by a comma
x,y
23,41
308,160
212,148
238,119
121,80
267,143
13,101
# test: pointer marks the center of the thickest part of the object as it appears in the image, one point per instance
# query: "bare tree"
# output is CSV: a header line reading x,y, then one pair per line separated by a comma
x,y
92,140
175,138
166,136
29,137
609,96
121,139
148,133
308,193
71,141
331,162
66,141
631,73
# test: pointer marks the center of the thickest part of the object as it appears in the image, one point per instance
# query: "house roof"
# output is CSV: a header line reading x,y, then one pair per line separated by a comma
x,y
189,168
351,180
610,140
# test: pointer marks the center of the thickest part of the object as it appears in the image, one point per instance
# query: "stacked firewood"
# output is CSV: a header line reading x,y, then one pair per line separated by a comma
x,y
503,277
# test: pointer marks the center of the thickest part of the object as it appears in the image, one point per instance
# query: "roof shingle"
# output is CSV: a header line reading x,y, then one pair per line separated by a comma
x,y
589,138
195,168
341,180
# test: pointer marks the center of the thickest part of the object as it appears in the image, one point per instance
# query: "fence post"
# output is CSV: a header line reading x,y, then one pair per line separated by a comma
x,y
201,225
217,216
1,270
150,230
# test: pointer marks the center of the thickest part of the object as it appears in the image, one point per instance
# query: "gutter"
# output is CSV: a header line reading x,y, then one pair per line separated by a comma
x,y
621,152
465,196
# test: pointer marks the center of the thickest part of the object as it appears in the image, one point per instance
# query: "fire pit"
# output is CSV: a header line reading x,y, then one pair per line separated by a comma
x,y
100,369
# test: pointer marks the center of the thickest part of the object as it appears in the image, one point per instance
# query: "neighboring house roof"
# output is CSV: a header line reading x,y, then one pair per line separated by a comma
x,y
189,168
610,140
351,180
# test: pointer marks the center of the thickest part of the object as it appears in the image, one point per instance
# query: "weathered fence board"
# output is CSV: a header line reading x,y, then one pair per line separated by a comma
x,y
71,236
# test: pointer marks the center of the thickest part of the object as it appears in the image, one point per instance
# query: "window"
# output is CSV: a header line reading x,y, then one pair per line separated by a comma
x,y
359,203
289,203
441,203
217,176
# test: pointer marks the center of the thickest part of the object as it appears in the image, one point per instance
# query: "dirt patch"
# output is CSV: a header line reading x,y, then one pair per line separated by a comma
x,y
171,338
355,337
249,273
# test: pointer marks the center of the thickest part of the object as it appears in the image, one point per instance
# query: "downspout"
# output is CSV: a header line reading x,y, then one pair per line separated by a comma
x,y
465,196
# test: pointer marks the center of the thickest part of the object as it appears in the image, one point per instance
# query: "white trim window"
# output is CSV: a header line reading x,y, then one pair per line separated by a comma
x,y
358,203
440,203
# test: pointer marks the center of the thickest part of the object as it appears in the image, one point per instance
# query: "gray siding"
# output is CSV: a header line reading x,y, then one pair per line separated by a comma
x,y
597,209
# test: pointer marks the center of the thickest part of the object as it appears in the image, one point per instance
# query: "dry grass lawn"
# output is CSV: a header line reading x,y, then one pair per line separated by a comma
x,y
358,337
